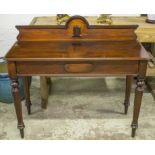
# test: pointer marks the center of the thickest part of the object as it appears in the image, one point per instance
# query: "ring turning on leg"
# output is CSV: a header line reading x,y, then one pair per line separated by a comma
x,y
137,104
17,104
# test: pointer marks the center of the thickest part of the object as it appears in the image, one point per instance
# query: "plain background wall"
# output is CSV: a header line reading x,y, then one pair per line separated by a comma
x,y
8,32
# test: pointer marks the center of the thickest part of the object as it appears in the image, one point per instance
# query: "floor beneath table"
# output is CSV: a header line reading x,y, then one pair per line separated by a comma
x,y
80,108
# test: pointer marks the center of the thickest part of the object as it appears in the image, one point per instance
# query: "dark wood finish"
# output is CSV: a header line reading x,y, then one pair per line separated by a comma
x,y
84,31
27,94
138,95
78,49
105,67
78,67
16,96
127,92
99,34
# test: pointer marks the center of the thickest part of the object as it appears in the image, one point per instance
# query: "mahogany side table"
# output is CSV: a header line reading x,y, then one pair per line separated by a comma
x,y
77,49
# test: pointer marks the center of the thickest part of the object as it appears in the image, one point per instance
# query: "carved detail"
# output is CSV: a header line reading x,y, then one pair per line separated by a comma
x,y
14,86
140,84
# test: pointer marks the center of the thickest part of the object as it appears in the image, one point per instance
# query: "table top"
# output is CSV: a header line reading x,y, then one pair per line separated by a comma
x,y
81,51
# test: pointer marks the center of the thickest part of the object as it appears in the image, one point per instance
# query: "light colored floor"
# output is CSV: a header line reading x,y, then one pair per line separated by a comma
x,y
80,108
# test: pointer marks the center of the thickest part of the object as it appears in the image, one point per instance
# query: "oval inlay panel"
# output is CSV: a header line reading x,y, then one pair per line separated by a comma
x,y
78,68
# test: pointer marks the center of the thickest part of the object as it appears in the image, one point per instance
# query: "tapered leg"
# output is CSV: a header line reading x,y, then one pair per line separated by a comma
x,y
137,104
17,104
127,92
27,94
45,88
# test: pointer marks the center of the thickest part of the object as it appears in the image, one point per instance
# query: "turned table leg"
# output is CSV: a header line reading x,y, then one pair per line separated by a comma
x,y
137,104
138,96
16,96
127,92
17,104
27,94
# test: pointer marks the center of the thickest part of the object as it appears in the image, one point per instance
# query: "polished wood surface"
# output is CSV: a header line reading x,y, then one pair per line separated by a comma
x,y
87,32
118,50
99,68
97,33
83,51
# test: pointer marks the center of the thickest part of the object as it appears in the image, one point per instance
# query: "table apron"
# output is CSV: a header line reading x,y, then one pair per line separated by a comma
x,y
78,68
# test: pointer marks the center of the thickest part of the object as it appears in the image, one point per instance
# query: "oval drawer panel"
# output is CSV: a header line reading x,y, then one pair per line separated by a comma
x,y
78,68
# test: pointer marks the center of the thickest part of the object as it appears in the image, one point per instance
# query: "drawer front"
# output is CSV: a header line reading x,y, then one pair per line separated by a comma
x,y
77,68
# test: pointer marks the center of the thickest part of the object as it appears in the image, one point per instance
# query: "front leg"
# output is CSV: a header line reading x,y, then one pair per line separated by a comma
x,y
17,104
137,104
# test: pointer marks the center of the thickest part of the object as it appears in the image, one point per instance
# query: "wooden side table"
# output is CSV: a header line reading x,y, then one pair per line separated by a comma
x,y
77,49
